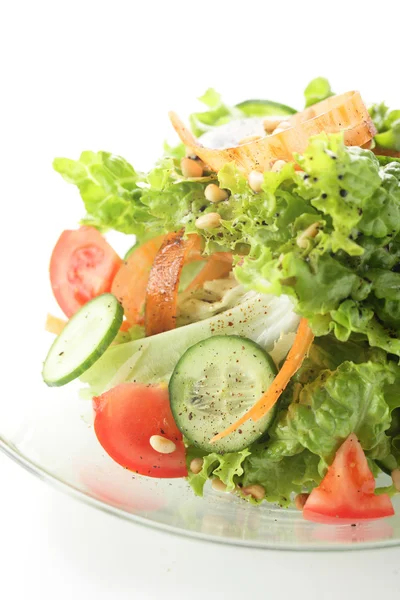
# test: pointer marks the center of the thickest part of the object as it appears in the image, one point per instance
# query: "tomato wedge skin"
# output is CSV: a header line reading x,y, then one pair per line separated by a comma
x,y
346,494
82,266
125,419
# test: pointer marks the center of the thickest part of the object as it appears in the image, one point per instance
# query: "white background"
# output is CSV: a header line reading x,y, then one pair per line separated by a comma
x,y
102,75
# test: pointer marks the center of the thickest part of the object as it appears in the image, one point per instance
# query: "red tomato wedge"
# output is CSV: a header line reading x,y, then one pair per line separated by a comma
x,y
127,416
346,494
82,266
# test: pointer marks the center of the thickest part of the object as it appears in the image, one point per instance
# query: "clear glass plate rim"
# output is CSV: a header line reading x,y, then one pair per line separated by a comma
x,y
12,452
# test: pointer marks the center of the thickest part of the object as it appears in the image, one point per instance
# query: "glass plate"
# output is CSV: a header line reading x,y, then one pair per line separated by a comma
x,y
50,431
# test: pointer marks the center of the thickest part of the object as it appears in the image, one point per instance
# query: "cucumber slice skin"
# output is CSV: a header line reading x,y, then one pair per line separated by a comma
x,y
220,356
265,108
106,305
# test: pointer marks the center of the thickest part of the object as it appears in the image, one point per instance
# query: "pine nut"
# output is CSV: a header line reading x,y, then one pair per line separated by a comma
x,y
396,479
191,168
257,491
310,232
162,445
196,465
214,193
278,165
271,123
300,501
248,139
218,485
256,179
208,221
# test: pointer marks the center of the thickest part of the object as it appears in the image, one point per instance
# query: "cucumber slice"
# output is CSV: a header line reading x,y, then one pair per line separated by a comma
x,y
214,383
265,108
83,340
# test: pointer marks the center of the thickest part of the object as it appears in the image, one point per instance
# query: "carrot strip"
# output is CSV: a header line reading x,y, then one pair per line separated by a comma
x,y
130,282
125,326
346,113
54,324
301,345
218,266
163,282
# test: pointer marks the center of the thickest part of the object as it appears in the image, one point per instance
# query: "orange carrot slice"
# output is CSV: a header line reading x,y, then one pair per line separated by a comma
x,y
302,342
386,152
130,282
217,266
54,324
125,326
163,281
346,113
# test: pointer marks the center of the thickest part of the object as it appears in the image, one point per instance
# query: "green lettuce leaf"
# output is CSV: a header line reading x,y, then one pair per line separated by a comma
x,y
218,113
226,467
108,187
326,354
386,160
264,108
280,478
318,89
349,399
387,123
356,204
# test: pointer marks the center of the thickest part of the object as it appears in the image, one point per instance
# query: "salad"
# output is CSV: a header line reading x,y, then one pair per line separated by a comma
x,y
250,334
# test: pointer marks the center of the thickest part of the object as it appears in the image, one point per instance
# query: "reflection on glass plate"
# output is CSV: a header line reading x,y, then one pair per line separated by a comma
x,y
51,433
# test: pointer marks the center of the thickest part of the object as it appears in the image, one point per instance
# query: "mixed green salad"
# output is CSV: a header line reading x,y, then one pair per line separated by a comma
x,y
250,335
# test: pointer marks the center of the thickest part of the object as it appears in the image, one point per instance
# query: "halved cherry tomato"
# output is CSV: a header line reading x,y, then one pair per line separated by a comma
x,y
126,418
346,494
82,266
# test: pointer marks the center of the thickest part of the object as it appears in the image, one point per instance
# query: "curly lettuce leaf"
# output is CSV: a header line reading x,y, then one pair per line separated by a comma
x,y
226,467
350,202
355,204
218,113
108,187
337,403
352,317
387,123
317,90
345,178
281,478
326,354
